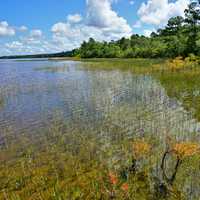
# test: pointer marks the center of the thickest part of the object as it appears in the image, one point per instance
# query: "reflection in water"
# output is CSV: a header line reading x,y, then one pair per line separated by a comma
x,y
135,103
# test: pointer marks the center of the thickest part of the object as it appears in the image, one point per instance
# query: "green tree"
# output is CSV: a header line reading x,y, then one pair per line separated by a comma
x,y
192,19
174,25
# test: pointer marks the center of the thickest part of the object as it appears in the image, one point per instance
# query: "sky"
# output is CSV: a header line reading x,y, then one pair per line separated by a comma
x,y
48,26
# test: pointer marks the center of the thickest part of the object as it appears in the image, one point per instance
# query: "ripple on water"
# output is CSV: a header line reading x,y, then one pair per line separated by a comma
x,y
135,103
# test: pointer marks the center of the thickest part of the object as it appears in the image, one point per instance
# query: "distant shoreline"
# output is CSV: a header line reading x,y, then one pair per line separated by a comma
x,y
50,55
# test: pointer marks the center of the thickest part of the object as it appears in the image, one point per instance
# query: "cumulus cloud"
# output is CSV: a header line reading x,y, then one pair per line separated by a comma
x,y
76,18
101,22
24,46
6,30
14,45
157,12
22,28
68,36
36,33
33,38
101,15
64,29
29,44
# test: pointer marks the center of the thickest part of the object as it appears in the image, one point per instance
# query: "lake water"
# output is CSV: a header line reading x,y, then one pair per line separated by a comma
x,y
31,92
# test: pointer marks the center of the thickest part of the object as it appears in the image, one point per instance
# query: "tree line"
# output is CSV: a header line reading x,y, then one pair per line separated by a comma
x,y
48,55
180,37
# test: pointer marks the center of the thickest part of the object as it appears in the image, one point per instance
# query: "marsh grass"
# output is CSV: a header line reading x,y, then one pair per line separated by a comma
x,y
52,69
74,162
180,77
181,81
140,66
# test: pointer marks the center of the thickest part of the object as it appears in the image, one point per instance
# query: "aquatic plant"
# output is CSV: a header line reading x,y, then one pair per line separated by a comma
x,y
181,151
185,149
141,149
121,156
53,69
1,101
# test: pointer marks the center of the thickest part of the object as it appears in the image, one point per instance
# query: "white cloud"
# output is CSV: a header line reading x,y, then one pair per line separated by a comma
x,y
132,2
101,22
76,18
22,28
6,30
14,45
148,32
34,38
157,12
36,33
64,29
68,36
30,44
24,46
101,15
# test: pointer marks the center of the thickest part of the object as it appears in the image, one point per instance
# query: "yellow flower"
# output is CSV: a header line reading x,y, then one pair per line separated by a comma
x,y
140,149
185,149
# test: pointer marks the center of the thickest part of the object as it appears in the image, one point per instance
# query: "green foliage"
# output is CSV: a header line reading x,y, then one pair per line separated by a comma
x,y
180,37
192,20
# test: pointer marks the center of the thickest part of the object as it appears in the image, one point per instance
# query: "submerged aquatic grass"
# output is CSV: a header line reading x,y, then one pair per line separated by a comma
x,y
180,77
119,154
52,69
75,163
181,81
2,98
1,102
138,65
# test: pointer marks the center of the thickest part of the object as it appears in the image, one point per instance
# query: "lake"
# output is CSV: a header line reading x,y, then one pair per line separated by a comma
x,y
32,92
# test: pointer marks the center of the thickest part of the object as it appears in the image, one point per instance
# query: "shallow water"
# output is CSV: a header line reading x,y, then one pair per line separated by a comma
x,y
32,91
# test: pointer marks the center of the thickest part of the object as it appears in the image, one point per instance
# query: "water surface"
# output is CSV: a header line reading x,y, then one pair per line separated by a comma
x,y
33,91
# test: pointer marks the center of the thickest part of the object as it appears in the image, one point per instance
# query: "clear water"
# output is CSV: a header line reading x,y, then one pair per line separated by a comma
x,y
32,91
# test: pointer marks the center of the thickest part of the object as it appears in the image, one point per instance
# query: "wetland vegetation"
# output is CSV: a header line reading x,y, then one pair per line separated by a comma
x,y
137,141
99,128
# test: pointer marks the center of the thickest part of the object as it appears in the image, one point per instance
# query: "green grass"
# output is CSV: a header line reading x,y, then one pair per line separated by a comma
x,y
135,65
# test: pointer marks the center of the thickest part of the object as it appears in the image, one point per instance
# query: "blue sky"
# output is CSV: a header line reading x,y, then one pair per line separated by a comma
x,y
40,26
